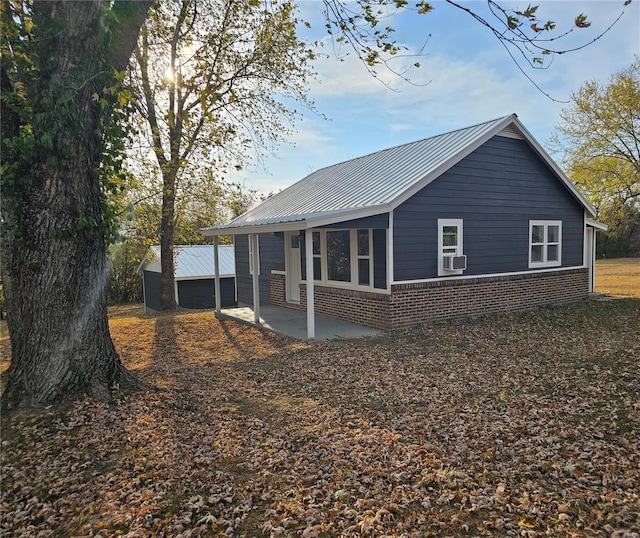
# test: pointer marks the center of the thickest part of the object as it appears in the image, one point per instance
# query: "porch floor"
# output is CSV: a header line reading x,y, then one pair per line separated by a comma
x,y
293,323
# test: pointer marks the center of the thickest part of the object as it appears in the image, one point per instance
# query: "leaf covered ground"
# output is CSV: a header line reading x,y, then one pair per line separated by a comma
x,y
516,425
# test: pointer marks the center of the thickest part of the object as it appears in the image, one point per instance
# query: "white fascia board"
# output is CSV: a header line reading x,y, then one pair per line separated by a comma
x,y
205,277
513,119
145,260
597,225
345,215
342,215
455,159
255,228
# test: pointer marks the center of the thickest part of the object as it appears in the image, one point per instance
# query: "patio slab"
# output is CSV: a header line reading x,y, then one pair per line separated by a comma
x,y
293,323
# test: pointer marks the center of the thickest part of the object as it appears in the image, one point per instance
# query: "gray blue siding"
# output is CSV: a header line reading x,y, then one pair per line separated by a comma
x,y
496,190
271,258
201,293
152,287
380,259
376,221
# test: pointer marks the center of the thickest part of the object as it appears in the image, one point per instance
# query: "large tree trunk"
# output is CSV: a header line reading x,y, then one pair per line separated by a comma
x,y
53,253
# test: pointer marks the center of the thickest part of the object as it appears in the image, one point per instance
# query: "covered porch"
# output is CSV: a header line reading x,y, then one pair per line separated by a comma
x,y
293,323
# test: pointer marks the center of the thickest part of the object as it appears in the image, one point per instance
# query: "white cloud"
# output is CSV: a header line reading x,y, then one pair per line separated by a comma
x,y
471,79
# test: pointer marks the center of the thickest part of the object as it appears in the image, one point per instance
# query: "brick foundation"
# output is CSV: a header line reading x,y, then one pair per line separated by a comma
x,y
413,304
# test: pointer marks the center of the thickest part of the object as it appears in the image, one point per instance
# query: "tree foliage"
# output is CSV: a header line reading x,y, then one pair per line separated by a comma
x,y
61,73
214,80
207,202
599,135
530,39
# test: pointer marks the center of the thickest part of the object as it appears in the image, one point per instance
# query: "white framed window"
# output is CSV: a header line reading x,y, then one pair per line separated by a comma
x,y
364,248
449,243
343,258
257,240
545,243
317,256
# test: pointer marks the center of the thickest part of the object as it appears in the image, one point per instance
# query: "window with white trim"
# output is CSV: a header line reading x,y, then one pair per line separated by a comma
x,y
251,253
364,248
343,258
317,256
449,243
545,243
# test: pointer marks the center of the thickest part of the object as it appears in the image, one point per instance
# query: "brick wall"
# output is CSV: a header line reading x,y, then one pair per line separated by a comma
x,y
413,304
365,308
278,290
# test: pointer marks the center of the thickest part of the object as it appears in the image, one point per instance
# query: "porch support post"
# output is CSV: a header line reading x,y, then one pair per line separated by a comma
x,y
216,266
253,238
311,315
591,255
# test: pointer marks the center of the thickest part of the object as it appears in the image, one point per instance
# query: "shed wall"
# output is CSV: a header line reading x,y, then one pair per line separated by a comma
x,y
201,293
152,286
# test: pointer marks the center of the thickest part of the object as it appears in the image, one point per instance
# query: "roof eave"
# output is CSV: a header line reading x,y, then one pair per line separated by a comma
x,y
145,260
250,228
597,225
303,223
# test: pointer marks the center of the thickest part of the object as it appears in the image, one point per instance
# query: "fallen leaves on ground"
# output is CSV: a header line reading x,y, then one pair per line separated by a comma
x,y
515,425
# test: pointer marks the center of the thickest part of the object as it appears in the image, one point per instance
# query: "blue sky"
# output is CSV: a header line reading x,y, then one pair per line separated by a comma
x,y
470,79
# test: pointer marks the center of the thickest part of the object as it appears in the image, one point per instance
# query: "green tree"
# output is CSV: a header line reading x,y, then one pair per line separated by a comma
x,y
207,202
60,106
215,79
125,285
599,137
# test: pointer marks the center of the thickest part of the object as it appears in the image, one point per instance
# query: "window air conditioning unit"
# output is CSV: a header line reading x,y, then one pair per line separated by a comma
x,y
451,262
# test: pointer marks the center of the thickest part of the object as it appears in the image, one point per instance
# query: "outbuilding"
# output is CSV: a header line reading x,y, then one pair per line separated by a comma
x,y
193,277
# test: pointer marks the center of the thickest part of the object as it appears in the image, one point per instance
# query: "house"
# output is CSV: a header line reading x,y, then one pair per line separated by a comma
x,y
473,221
194,277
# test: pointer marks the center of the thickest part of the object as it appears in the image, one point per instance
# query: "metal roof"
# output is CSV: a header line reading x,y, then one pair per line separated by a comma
x,y
380,181
196,261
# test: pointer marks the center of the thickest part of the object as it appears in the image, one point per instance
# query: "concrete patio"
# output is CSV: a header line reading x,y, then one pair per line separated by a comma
x,y
293,323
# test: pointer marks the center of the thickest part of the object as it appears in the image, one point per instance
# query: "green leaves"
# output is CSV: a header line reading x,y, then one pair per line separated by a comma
x,y
600,144
513,22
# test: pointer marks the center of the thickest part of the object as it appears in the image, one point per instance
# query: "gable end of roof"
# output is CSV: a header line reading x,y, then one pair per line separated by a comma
x,y
381,181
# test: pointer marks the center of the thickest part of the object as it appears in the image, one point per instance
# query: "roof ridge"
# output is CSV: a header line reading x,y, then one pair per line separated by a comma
x,y
382,150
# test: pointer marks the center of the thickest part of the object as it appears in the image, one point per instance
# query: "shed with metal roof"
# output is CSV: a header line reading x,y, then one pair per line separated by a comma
x,y
194,276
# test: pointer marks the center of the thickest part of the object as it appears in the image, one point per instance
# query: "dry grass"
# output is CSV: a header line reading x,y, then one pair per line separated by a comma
x,y
618,277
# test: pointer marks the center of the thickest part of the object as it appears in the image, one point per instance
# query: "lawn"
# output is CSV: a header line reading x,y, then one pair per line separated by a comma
x,y
618,277
515,425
